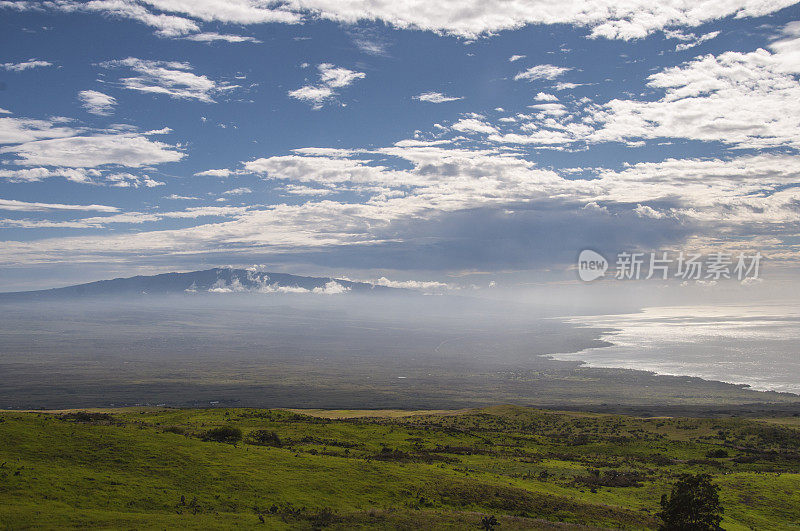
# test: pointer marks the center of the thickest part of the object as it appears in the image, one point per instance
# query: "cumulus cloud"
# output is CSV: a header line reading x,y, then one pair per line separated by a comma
x,y
126,149
604,18
543,96
541,72
468,19
473,125
315,95
172,78
515,58
214,173
745,100
442,191
230,11
97,103
436,97
425,285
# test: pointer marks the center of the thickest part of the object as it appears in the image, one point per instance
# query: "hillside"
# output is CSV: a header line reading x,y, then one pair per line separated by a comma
x,y
216,280
531,469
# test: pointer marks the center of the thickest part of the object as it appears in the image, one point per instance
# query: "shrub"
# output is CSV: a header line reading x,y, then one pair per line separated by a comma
x,y
692,505
488,523
719,453
223,434
84,416
264,438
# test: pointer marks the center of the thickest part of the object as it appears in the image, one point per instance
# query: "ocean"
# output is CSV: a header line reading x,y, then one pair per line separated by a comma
x,y
754,345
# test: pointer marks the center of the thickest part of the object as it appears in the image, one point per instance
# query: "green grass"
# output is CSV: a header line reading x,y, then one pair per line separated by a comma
x,y
532,469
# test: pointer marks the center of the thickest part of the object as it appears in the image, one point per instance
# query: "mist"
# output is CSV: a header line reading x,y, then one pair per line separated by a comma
x,y
373,350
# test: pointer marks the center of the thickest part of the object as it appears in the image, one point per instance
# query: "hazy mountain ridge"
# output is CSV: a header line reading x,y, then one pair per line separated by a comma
x,y
216,280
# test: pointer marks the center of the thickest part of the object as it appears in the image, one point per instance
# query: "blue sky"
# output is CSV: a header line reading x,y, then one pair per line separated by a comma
x,y
400,139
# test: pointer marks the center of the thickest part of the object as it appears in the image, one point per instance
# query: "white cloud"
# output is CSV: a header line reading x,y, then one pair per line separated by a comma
x,y
214,173
210,36
17,130
331,288
10,204
644,211
745,100
605,18
129,180
436,97
464,18
541,72
229,11
299,189
166,25
336,76
411,284
172,78
317,169
315,95
25,65
566,86
77,175
96,102
369,41
515,58
330,77
182,197
746,193
473,125
696,40
238,191
127,149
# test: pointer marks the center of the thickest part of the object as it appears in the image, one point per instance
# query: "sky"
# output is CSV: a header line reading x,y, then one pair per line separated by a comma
x,y
462,142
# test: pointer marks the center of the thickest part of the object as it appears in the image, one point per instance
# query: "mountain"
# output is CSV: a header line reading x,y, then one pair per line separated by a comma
x,y
217,280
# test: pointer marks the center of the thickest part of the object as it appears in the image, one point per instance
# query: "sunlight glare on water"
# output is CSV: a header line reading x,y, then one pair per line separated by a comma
x,y
754,345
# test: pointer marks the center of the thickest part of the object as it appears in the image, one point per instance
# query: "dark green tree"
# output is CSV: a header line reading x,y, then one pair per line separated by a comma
x,y
693,505
488,523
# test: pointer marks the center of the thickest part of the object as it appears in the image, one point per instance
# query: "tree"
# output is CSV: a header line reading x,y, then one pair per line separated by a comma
x,y
693,505
488,523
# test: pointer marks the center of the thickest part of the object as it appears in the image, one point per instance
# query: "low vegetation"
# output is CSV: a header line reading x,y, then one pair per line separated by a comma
x,y
494,468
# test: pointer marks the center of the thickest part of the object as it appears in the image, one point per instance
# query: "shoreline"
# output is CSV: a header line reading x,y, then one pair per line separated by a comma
x,y
626,334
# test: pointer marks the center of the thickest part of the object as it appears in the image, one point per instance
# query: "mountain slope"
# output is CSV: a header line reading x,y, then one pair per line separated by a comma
x,y
217,280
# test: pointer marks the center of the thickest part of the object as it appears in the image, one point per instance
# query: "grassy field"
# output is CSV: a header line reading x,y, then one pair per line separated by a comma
x,y
531,469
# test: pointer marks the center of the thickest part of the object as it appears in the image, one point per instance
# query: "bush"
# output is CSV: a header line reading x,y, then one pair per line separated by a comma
x,y
693,505
84,416
488,523
717,454
264,438
223,434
